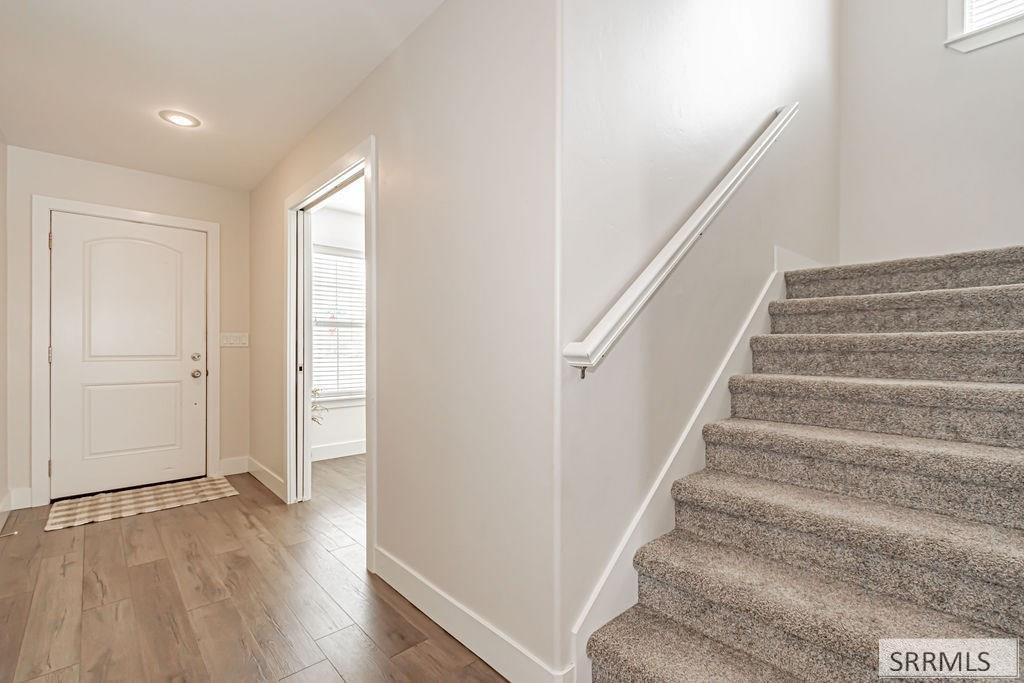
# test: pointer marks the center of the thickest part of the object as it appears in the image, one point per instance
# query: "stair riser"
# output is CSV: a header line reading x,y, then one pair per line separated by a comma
x,y
961,367
929,421
803,657
943,588
981,503
975,317
908,281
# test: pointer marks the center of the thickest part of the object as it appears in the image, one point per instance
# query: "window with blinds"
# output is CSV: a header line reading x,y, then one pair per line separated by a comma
x,y
979,14
339,322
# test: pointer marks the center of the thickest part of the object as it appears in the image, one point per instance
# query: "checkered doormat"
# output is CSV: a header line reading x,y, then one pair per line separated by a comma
x,y
104,506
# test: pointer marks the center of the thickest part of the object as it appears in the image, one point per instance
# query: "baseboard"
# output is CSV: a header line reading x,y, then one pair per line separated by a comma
x,y
509,658
616,590
341,449
5,508
269,479
237,465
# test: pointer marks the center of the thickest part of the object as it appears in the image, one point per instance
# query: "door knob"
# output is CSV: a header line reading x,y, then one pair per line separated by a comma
x,y
197,373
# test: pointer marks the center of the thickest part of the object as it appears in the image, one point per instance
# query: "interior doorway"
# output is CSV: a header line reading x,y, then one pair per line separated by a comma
x,y
332,343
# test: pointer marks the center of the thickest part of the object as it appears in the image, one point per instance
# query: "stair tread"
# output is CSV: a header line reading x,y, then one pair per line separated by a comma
x,y
948,393
839,616
991,341
645,645
1014,254
992,552
963,296
954,460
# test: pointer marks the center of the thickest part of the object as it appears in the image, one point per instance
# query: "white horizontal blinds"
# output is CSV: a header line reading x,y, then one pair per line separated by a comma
x,y
339,322
981,13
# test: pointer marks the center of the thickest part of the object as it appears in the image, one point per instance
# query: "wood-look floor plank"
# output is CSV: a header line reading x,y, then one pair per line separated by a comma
x,y
68,675
229,649
63,541
319,614
277,630
53,631
424,662
212,528
167,641
240,518
357,657
479,672
278,518
142,543
322,672
391,632
19,563
13,617
354,559
106,573
198,575
110,645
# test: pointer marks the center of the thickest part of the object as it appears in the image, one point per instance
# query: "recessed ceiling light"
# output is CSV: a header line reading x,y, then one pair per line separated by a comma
x,y
180,118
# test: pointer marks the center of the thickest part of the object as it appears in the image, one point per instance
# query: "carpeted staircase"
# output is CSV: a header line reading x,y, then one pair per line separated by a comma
x,y
870,484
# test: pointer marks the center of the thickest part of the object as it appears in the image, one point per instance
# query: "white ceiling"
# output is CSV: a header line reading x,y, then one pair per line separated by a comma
x,y
86,79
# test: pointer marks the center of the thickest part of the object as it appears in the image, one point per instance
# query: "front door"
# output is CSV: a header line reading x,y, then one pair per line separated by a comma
x,y
128,370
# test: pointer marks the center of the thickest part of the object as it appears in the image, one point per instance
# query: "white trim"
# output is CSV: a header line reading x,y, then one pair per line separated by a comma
x,y
236,465
339,449
273,482
506,656
5,508
40,393
591,350
298,470
21,498
616,589
961,41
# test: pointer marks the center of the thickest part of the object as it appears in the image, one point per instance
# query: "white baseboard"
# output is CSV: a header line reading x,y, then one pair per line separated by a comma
x,y
341,449
237,465
269,479
616,590
5,508
509,658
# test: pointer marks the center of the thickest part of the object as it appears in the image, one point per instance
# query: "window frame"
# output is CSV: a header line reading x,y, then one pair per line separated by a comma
x,y
967,41
337,398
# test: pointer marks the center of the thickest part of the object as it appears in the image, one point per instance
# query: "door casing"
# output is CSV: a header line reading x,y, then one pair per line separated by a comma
x,y
42,207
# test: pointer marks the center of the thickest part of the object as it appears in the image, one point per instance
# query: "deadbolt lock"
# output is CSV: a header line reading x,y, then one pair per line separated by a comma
x,y
196,356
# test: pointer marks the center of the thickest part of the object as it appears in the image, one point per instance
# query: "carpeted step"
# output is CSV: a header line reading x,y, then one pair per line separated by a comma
x,y
643,645
988,356
968,269
983,413
940,310
969,481
802,623
971,570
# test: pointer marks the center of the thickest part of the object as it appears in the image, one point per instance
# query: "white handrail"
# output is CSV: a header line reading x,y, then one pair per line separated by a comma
x,y
589,352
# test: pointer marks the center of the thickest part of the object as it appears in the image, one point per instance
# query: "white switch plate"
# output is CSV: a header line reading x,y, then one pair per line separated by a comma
x,y
234,339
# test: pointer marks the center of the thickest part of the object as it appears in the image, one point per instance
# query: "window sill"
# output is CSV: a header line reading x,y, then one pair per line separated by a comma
x,y
989,35
342,401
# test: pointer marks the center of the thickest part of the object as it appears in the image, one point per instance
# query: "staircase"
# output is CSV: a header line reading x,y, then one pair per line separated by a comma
x,y
870,484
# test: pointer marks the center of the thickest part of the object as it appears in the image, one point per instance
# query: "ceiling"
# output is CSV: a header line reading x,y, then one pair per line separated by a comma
x,y
86,79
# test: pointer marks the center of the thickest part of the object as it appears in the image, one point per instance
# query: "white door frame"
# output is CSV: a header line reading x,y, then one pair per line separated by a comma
x,y
39,419
298,469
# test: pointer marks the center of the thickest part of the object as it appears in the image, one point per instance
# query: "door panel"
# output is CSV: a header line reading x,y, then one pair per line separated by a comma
x,y
128,312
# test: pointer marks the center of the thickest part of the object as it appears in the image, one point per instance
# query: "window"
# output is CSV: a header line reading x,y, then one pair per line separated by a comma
x,y
976,23
339,322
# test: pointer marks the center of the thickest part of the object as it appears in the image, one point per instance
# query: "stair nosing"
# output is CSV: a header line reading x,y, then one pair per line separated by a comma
x,y
998,256
925,298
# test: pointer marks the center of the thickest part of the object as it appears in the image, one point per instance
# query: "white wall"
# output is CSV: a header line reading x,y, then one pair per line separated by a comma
x,y
5,488
343,426
464,117
932,139
31,172
658,102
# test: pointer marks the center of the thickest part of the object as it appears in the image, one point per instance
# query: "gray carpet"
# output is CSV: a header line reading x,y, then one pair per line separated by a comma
x,y
870,484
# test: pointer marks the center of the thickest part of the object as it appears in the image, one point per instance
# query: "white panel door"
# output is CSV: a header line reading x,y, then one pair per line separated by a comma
x,y
128,375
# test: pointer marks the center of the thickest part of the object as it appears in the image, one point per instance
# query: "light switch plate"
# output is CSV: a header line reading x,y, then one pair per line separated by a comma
x,y
234,339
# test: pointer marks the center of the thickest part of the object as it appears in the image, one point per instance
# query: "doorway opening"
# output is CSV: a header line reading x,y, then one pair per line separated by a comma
x,y
332,407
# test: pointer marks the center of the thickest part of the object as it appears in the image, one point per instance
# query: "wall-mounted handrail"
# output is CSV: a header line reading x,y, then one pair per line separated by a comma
x,y
591,350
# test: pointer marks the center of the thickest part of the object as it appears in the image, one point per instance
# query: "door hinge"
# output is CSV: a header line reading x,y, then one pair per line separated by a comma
x,y
49,355
49,468
50,241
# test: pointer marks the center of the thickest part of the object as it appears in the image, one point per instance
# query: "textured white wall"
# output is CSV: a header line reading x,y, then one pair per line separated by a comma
x,y
932,139
659,100
31,172
464,117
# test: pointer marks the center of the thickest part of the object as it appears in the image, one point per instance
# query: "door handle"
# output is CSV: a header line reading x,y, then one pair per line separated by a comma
x,y
197,373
